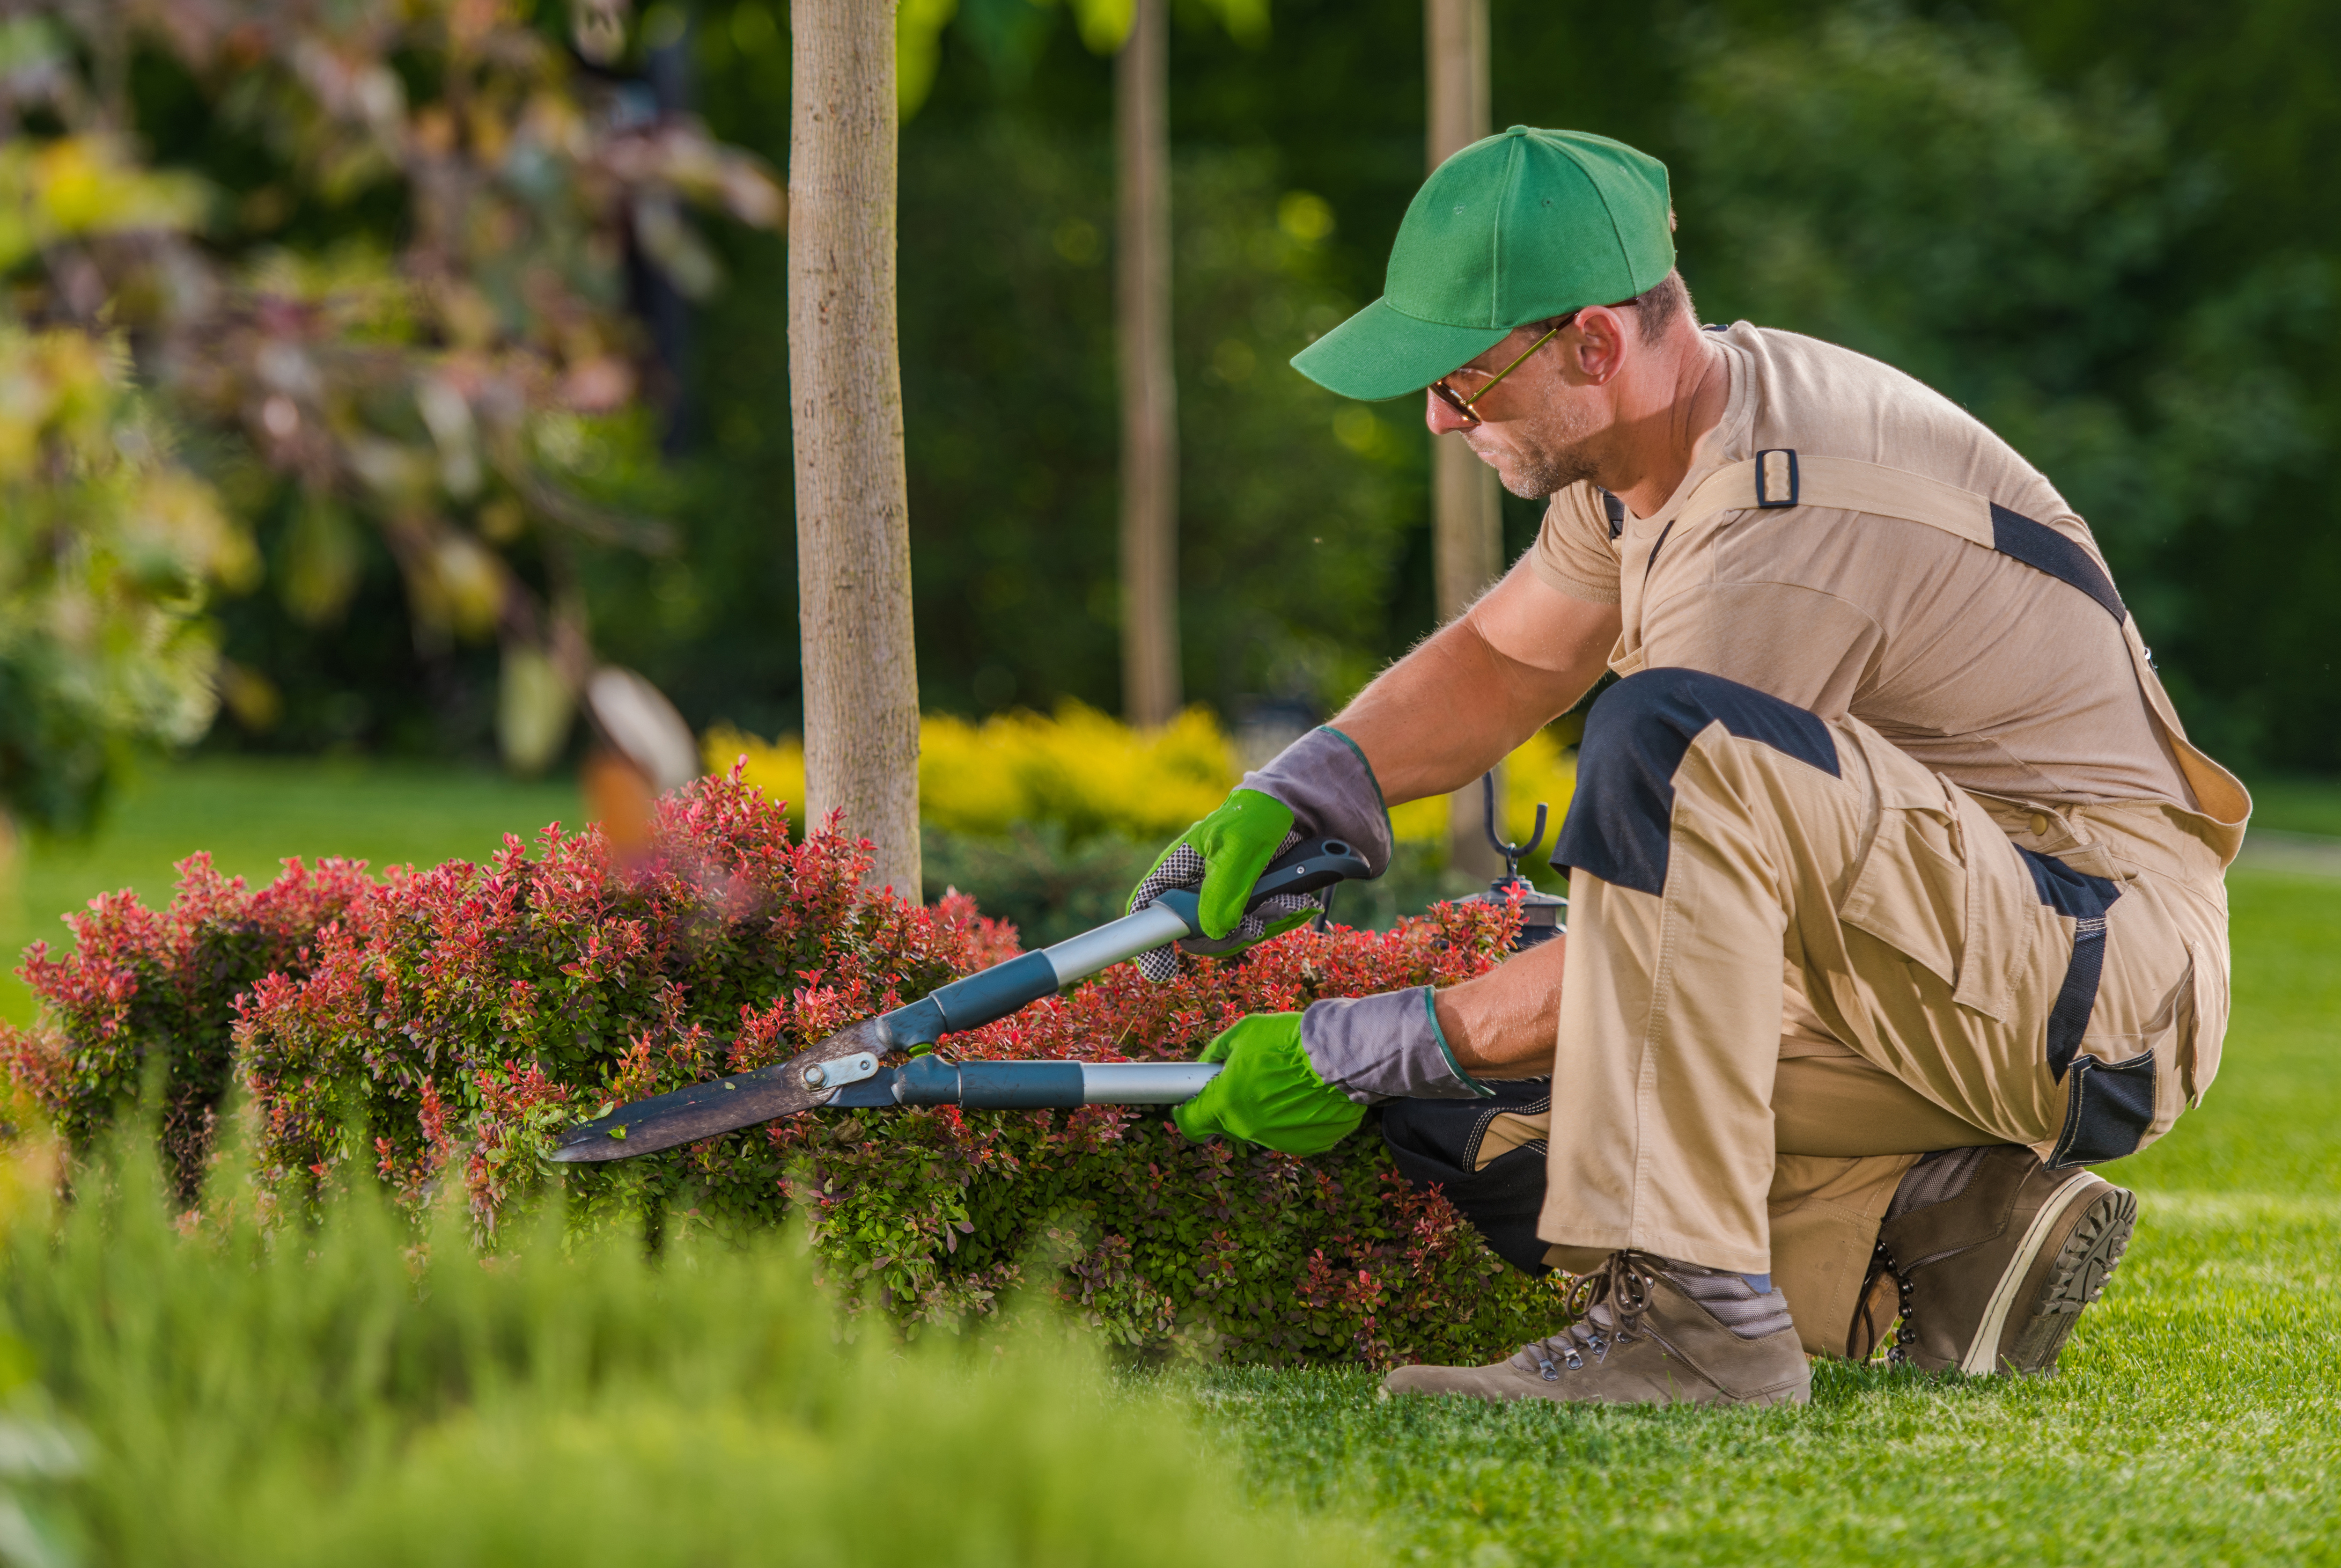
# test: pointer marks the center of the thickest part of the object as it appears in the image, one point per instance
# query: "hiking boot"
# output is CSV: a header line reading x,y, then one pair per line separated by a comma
x,y
1997,1255
1649,1332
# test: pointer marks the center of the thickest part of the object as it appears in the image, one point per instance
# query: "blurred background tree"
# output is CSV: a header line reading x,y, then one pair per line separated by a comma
x,y
2099,226
109,546
2121,266
390,308
1921,194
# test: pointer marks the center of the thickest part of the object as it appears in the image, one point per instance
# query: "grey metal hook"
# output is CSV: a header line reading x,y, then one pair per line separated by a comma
x,y
1513,853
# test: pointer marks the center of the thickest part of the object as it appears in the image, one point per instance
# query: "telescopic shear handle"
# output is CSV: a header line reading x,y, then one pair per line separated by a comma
x,y
996,992
844,1069
930,1080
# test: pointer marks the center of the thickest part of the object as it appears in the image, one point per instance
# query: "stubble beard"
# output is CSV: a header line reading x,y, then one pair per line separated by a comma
x,y
1549,457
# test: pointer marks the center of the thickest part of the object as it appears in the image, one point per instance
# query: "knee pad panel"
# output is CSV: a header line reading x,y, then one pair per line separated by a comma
x,y
1636,736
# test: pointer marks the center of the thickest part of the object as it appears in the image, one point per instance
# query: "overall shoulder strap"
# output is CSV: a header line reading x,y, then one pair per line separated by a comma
x,y
1779,478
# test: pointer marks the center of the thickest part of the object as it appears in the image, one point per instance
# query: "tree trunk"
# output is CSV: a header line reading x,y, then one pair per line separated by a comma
x,y
1467,525
1149,397
845,386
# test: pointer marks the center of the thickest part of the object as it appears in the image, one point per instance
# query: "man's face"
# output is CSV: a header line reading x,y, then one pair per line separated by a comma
x,y
1539,426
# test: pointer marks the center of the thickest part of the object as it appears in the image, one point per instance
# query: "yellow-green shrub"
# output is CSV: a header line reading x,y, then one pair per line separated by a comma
x,y
109,550
1089,774
255,1398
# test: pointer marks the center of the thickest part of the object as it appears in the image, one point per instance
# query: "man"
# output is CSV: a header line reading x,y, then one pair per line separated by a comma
x,y
1896,895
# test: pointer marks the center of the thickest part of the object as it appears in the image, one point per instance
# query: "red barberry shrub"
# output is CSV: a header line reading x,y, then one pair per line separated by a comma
x,y
1218,1249
520,995
145,1000
442,1027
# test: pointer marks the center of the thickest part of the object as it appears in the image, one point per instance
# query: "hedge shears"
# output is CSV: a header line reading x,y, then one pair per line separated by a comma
x,y
847,1070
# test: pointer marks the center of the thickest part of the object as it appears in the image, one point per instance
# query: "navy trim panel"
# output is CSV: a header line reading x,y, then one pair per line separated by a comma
x,y
2109,1113
1615,510
1623,814
2084,899
1436,1144
2065,890
2042,547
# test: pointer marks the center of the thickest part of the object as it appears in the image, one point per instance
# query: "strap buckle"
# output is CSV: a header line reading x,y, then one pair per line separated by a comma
x,y
1776,477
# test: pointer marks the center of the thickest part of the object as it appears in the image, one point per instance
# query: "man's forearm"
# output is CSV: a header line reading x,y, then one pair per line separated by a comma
x,y
1505,1023
1480,685
1445,714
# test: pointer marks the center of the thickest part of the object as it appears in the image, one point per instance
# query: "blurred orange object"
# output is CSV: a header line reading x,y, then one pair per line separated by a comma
x,y
643,748
621,797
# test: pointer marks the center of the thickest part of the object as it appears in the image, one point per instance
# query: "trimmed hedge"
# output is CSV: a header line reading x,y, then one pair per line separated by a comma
x,y
143,992
440,1026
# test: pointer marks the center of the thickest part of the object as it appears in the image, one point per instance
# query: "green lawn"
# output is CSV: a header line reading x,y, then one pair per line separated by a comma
x,y
2193,1419
251,813
2298,806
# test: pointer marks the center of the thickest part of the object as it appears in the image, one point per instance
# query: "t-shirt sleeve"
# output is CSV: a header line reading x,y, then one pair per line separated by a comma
x,y
1573,553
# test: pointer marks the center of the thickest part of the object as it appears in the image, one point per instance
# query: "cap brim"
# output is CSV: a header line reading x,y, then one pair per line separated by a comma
x,y
1383,352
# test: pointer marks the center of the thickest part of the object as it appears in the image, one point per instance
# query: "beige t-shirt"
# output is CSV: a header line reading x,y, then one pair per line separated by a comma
x,y
1994,674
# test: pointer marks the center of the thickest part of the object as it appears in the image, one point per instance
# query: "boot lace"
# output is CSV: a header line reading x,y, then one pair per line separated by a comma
x,y
1621,1289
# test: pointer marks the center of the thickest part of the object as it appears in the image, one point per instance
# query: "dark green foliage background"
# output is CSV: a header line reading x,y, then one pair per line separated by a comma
x,y
2101,226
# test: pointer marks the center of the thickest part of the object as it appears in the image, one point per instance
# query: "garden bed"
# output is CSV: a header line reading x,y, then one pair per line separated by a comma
x,y
436,1029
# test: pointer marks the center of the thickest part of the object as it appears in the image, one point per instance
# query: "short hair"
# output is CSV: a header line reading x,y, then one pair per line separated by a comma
x,y
1655,309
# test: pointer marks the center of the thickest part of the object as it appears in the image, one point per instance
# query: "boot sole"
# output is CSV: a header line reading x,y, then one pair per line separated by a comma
x,y
1795,1393
2090,1251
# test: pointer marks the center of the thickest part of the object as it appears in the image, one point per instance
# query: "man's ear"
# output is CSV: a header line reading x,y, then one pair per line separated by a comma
x,y
1600,351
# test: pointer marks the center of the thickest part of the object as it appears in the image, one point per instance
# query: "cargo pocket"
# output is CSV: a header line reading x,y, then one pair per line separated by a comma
x,y
1941,886
2205,1028
1911,892
2109,1113
1625,660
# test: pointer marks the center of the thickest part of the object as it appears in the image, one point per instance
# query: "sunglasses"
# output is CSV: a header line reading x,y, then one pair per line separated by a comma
x,y
1462,406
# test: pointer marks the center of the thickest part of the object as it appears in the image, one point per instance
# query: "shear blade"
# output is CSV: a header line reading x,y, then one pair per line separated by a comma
x,y
717,1107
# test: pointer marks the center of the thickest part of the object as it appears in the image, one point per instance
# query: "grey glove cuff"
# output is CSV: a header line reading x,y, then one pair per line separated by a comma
x,y
1385,1047
1324,780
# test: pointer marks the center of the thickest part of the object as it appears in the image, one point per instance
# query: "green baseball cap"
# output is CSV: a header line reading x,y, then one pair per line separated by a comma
x,y
1513,229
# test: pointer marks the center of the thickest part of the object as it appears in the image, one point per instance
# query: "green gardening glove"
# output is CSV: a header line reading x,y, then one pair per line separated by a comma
x,y
1226,852
1320,786
1269,1094
1235,844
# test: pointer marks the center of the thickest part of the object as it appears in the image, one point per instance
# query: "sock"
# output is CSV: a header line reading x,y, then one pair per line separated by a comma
x,y
1748,1316
1761,1283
